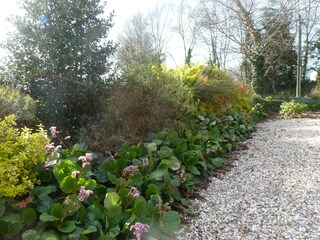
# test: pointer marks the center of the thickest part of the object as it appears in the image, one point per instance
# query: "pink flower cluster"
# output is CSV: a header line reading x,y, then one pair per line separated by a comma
x,y
25,202
229,119
86,159
133,192
130,170
54,132
51,149
139,229
84,194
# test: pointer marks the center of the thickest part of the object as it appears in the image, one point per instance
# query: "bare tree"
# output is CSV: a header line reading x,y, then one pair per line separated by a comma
x,y
136,44
159,26
310,12
188,28
213,34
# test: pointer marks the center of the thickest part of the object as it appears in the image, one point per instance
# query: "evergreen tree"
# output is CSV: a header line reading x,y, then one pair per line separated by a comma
x,y
60,54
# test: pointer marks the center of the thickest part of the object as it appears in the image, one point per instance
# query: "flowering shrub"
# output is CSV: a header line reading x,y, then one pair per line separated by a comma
x,y
131,194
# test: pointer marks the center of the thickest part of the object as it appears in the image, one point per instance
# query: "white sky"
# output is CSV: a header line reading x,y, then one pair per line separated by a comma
x,y
124,9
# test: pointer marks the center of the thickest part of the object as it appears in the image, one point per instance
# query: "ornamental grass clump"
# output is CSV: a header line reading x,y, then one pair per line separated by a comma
x,y
22,153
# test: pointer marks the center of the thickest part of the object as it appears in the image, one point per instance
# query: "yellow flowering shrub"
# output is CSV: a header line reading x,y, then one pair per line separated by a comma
x,y
21,151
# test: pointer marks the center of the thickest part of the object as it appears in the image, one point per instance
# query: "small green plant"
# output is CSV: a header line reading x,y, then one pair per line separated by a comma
x,y
21,153
258,112
292,108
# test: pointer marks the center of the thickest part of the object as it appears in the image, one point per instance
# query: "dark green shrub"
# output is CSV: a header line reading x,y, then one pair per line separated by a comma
x,y
271,106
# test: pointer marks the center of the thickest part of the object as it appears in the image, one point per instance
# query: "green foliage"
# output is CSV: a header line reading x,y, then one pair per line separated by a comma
x,y
59,54
270,105
21,152
17,103
142,183
258,112
292,108
215,89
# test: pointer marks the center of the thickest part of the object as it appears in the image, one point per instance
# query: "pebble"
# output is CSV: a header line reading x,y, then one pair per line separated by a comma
x,y
273,191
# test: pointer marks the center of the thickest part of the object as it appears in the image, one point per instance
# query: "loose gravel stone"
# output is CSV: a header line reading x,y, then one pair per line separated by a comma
x,y
273,191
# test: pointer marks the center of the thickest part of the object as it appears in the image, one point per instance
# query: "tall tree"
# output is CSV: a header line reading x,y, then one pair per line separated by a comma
x,y
280,56
136,44
254,33
60,54
159,24
213,33
310,12
188,28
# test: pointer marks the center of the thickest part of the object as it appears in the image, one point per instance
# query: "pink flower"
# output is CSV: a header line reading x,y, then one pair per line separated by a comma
x,y
53,131
51,149
84,164
67,138
68,201
75,173
130,170
88,156
133,192
25,202
49,164
29,200
84,194
145,162
22,204
86,159
139,229
229,119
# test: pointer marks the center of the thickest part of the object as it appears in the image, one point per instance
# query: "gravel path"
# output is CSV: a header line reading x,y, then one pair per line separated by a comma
x,y
273,192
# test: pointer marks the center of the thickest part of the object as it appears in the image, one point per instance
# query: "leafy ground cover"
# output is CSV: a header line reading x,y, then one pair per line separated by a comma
x,y
287,108
136,193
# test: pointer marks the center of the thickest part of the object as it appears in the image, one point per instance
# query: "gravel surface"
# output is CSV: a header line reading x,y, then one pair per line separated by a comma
x,y
273,192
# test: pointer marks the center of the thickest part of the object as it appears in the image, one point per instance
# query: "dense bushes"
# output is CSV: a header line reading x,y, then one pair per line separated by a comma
x,y
271,106
215,89
149,95
21,153
287,108
128,111
138,190
292,108
85,196
17,103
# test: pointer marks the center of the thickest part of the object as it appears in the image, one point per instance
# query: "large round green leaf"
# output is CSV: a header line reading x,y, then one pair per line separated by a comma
x,y
67,226
171,222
